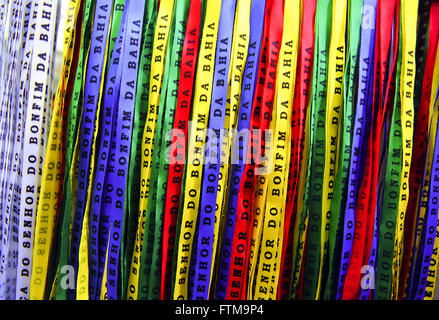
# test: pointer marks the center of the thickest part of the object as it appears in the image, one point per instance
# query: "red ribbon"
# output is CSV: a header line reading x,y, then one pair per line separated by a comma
x,y
179,143
261,116
301,95
365,211
419,146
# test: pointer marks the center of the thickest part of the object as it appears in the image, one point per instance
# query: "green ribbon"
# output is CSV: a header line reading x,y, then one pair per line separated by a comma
x,y
180,209
177,37
317,163
73,126
60,256
151,220
338,203
145,285
389,212
131,213
304,214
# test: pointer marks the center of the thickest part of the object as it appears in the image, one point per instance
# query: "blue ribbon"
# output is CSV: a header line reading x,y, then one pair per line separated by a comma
x,y
118,165
248,89
203,264
364,101
419,270
95,66
98,228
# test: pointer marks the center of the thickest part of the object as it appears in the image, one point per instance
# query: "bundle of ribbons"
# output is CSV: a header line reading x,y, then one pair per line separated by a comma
x,y
219,149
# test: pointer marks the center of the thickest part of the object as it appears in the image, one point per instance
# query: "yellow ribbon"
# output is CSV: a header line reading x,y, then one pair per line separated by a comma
x,y
82,278
299,244
239,52
51,177
433,270
409,16
334,107
161,34
196,143
272,235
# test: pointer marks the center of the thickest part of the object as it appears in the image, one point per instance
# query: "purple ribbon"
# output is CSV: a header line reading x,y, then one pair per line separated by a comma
x,y
419,273
248,87
99,227
118,165
204,246
95,65
364,101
